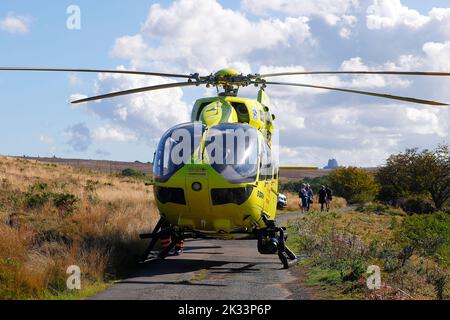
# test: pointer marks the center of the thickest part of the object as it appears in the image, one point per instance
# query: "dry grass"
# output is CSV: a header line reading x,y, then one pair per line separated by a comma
x,y
293,202
96,228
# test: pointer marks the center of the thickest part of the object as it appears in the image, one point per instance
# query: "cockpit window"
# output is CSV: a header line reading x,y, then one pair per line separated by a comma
x,y
180,145
232,150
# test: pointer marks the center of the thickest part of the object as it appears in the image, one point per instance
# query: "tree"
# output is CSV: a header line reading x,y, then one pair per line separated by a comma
x,y
418,174
354,184
295,186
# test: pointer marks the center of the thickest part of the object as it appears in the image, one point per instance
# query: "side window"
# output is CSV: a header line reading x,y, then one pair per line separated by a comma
x,y
242,112
261,115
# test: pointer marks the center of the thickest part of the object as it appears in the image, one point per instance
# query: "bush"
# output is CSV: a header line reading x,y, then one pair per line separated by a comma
x,y
354,184
132,173
413,173
416,204
380,208
340,250
65,202
295,186
424,234
37,196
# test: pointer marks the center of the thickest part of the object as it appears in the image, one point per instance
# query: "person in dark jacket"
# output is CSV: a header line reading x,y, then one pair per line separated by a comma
x,y
322,197
303,195
329,196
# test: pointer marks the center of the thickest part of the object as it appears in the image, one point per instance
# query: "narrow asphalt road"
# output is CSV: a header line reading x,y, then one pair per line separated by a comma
x,y
211,270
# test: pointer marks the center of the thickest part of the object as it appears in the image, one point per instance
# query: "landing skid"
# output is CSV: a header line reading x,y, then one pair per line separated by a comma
x,y
162,230
272,240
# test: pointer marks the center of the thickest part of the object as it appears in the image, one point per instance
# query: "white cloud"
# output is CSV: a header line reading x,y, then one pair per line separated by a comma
x,y
223,37
362,135
372,81
352,64
110,133
143,115
15,24
333,12
426,121
78,96
330,10
437,55
391,13
315,125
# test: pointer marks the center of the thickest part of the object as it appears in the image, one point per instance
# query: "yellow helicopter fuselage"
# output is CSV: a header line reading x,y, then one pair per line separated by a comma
x,y
200,199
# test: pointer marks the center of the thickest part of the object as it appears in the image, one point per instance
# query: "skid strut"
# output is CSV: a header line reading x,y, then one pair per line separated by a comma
x,y
162,230
272,240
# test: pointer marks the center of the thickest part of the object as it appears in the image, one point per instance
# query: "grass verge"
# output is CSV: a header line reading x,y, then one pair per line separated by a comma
x,y
52,217
412,253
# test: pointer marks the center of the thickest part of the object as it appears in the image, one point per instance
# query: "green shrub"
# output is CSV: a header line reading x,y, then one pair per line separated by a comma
x,y
354,184
423,234
91,186
37,196
132,173
416,204
295,186
439,279
380,208
352,268
65,202
417,173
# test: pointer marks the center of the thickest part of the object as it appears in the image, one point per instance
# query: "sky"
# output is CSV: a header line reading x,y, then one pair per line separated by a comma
x,y
258,36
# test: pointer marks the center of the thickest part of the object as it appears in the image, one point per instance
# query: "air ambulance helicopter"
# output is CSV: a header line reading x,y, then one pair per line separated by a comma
x,y
215,176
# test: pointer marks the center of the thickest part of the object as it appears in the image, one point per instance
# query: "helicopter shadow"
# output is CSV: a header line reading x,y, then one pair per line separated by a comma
x,y
182,283
195,250
155,268
248,268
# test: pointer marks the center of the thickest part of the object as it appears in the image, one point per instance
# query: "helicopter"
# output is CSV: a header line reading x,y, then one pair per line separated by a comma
x,y
215,177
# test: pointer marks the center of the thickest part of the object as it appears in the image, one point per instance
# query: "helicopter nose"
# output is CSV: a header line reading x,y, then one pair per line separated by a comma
x,y
197,193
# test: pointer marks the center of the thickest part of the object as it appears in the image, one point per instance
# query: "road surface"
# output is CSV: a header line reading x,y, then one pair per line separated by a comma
x,y
211,270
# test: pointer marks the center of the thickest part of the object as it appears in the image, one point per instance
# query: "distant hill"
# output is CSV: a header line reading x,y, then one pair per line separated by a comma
x,y
107,166
104,166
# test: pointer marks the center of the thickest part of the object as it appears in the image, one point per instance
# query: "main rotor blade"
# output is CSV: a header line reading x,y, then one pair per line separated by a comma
x,y
137,90
159,74
402,73
367,93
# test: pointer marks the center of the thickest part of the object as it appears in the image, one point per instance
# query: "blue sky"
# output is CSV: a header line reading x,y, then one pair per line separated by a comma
x,y
36,118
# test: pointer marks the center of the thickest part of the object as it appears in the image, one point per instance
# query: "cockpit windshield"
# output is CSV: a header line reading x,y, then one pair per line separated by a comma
x,y
232,150
180,145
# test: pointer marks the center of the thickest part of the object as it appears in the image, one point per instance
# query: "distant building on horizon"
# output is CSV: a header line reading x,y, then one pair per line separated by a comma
x,y
332,164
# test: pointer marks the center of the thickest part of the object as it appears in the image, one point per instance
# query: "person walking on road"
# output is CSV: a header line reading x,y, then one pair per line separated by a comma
x,y
310,196
329,196
304,200
322,198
